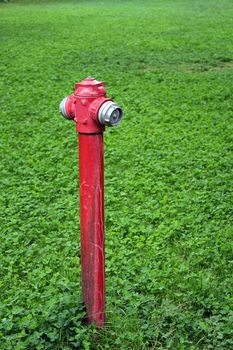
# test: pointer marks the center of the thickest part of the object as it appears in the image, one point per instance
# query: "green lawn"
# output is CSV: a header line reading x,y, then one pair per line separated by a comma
x,y
168,173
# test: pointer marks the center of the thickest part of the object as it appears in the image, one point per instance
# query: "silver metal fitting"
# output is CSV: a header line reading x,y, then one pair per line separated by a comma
x,y
110,114
62,108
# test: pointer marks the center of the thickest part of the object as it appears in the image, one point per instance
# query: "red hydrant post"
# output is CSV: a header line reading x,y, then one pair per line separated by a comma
x,y
89,107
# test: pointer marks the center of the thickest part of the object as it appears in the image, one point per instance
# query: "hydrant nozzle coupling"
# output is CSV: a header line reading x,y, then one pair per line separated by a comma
x,y
66,107
110,114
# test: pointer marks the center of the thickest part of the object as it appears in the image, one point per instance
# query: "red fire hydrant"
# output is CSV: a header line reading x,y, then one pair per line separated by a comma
x,y
92,110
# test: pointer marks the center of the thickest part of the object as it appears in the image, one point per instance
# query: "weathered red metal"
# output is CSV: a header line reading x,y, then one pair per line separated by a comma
x,y
83,106
92,225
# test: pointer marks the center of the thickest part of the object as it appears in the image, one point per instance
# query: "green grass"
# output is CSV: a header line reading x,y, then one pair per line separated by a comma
x,y
168,173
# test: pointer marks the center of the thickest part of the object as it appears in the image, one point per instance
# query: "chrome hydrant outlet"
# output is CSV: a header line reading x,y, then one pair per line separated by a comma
x,y
62,108
110,114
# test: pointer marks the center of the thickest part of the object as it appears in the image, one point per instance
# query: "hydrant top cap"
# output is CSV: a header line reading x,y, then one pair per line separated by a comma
x,y
90,87
89,81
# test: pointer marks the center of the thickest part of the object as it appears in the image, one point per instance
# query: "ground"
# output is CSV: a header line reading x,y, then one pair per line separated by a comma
x,y
168,173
